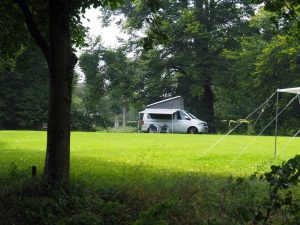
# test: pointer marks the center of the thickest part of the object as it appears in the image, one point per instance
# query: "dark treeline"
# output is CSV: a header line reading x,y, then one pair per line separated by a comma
x,y
24,92
224,57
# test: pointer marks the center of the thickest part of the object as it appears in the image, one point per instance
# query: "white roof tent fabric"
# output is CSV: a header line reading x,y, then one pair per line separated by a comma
x,y
160,111
295,90
170,103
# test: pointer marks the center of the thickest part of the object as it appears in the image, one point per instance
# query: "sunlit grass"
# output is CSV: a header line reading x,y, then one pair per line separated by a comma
x,y
137,178
100,153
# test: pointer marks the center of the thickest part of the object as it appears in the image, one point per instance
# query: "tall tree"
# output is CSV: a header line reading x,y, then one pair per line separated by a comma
x,y
195,33
270,60
111,73
49,24
94,84
121,77
54,40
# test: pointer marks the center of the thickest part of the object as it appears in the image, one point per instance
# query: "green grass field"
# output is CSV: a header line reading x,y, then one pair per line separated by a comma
x,y
99,152
142,179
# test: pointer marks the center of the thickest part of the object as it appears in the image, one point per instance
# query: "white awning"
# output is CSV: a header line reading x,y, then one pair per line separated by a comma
x,y
160,111
295,90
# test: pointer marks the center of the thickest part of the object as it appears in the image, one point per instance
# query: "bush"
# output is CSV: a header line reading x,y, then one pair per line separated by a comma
x,y
224,126
283,203
132,124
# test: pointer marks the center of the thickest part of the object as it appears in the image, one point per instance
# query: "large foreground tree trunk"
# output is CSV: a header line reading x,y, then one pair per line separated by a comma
x,y
61,64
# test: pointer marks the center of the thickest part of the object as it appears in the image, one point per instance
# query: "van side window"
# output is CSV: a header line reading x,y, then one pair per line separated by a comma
x,y
141,116
159,116
183,115
178,115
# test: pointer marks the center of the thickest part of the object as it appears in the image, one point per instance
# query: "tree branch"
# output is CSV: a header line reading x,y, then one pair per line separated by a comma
x,y
293,12
33,29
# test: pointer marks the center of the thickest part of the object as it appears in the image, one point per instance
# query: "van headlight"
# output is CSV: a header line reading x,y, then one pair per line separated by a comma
x,y
203,124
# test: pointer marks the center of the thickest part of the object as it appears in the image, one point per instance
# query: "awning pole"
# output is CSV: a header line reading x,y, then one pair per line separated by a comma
x,y
138,123
172,122
276,126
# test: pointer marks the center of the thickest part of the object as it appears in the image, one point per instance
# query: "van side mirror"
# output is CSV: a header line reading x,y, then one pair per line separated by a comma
x,y
187,118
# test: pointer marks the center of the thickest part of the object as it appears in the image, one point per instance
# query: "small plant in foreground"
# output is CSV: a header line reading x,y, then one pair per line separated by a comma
x,y
283,203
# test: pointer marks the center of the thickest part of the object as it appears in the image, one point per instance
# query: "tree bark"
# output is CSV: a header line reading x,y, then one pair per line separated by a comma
x,y
208,103
61,65
116,121
61,62
125,113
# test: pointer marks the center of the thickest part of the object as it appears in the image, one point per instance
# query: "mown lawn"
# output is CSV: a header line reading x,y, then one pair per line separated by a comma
x,y
93,152
143,179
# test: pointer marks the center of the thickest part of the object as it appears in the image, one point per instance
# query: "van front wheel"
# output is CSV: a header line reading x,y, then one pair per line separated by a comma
x,y
192,130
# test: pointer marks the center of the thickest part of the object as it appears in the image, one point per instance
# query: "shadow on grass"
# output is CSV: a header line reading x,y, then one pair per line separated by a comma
x,y
121,194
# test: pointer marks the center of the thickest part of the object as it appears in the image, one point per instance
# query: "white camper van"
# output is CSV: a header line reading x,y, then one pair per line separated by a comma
x,y
162,117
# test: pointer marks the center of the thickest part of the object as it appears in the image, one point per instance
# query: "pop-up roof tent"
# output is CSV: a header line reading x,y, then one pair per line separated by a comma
x,y
295,90
168,107
170,103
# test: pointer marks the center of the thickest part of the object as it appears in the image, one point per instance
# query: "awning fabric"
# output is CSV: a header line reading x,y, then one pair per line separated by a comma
x,y
160,111
295,90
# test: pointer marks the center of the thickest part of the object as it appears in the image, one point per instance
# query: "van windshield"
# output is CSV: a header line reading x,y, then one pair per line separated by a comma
x,y
191,115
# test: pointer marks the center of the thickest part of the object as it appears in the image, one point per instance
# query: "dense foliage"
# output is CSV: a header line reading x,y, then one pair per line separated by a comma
x,y
224,58
24,93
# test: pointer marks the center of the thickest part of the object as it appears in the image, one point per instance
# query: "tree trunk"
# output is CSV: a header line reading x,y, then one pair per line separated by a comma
x,y
116,121
125,112
61,64
208,106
